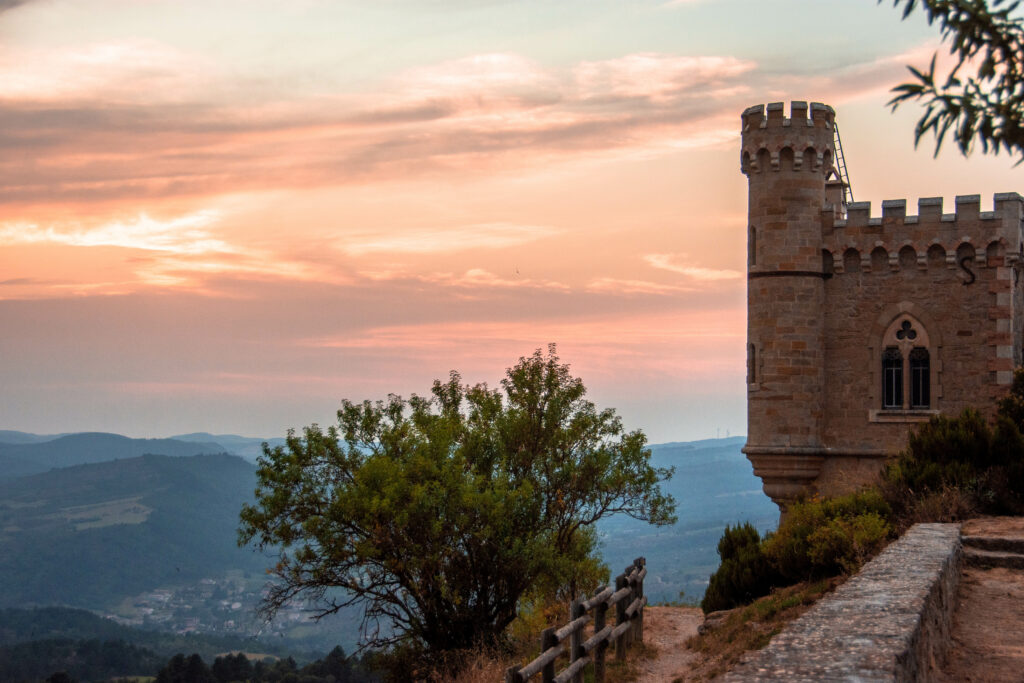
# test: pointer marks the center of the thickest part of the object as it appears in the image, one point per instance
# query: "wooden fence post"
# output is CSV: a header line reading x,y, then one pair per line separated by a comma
x,y
639,593
620,616
548,640
631,582
569,639
576,611
600,610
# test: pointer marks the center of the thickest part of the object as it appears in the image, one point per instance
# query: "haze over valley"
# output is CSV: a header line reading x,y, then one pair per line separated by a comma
x,y
142,533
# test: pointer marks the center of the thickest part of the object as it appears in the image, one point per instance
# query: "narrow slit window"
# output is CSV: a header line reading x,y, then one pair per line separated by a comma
x,y
752,365
892,379
920,378
752,246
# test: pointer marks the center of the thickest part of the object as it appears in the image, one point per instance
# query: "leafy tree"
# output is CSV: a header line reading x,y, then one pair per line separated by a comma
x,y
335,664
230,667
987,106
438,513
182,669
744,574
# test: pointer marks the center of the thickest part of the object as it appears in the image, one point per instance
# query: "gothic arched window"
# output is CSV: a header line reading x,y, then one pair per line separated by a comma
x,y
906,366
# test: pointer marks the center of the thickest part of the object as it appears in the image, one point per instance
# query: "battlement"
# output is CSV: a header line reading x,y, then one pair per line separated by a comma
x,y
772,115
771,141
930,232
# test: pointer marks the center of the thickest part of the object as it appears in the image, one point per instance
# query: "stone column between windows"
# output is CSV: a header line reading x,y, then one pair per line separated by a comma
x,y
1002,313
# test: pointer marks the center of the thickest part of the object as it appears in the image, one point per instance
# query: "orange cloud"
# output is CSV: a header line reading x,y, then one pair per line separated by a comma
x,y
187,234
446,240
74,120
690,346
83,125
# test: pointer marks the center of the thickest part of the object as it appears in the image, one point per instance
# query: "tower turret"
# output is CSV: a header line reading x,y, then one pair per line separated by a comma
x,y
787,162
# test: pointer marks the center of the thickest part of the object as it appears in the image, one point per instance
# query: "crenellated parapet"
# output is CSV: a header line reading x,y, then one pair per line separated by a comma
x,y
773,141
931,238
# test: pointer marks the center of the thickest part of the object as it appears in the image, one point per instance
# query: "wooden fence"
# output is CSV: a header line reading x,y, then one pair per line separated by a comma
x,y
627,597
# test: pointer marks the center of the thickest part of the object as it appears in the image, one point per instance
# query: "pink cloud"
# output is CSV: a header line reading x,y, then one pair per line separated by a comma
x,y
471,77
680,345
140,71
657,77
669,262
444,240
607,285
75,119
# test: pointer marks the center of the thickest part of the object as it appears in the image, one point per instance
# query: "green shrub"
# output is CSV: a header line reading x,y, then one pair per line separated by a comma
x,y
817,539
962,460
744,574
820,538
843,544
1012,405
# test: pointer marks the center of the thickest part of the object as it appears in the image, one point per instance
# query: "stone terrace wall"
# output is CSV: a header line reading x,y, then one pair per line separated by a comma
x,y
891,622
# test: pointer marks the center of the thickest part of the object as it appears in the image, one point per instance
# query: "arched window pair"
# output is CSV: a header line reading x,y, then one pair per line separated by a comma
x,y
906,366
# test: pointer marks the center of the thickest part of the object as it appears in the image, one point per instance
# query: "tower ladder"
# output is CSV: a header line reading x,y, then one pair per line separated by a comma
x,y
841,171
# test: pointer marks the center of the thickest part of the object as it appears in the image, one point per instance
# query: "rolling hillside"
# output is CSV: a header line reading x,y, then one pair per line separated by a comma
x,y
32,457
89,535
714,485
247,447
12,436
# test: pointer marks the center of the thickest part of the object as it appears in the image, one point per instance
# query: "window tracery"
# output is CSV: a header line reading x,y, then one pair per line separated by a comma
x,y
906,366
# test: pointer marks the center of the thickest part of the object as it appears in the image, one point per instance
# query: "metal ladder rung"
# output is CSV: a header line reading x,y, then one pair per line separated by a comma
x,y
844,175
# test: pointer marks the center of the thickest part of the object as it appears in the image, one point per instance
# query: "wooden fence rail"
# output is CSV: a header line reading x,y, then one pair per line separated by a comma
x,y
627,597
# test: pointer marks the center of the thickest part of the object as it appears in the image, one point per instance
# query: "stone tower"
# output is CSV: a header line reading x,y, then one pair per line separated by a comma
x,y
861,327
786,161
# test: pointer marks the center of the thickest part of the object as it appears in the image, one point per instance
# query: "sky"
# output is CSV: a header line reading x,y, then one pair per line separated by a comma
x,y
228,215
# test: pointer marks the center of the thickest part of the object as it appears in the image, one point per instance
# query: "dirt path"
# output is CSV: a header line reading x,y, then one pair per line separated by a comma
x,y
988,626
665,631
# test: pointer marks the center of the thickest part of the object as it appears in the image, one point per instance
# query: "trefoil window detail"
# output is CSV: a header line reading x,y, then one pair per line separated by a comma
x,y
906,366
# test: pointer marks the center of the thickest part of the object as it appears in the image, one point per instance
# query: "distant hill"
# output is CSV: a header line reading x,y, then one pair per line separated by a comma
x,y
245,446
89,535
714,485
19,459
11,436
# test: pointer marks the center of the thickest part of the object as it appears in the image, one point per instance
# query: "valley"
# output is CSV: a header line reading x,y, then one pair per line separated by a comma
x,y
148,542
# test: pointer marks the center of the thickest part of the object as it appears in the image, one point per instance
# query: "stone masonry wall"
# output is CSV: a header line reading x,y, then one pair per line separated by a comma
x,y
890,622
828,284
955,274
786,160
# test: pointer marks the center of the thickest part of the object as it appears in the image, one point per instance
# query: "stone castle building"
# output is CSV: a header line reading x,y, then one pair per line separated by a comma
x,y
861,326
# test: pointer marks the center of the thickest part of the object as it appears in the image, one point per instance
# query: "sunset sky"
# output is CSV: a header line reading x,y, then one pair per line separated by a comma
x,y
227,215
